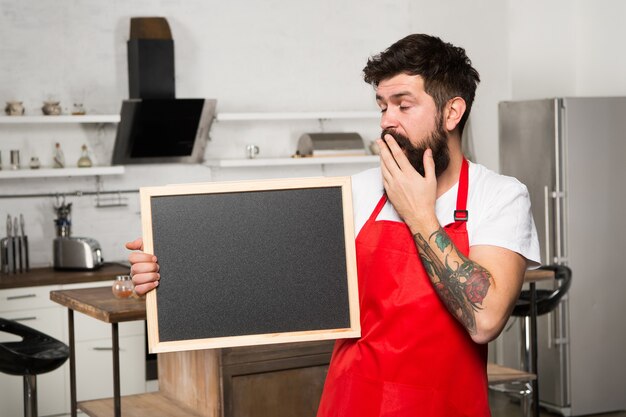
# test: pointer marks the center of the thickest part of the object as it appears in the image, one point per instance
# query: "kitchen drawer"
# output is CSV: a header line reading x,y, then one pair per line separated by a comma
x,y
26,298
50,321
94,368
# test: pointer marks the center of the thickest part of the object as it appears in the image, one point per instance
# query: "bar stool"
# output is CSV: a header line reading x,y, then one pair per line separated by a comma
x,y
545,302
37,353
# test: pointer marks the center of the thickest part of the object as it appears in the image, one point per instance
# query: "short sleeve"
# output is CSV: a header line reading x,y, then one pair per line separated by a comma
x,y
506,221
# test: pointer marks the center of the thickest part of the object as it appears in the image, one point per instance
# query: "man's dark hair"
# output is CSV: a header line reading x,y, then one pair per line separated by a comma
x,y
445,68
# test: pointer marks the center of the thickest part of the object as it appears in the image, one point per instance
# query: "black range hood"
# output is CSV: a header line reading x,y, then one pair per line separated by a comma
x,y
156,127
163,130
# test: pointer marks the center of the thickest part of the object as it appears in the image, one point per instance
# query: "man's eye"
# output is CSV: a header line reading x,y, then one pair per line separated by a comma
x,y
404,107
383,110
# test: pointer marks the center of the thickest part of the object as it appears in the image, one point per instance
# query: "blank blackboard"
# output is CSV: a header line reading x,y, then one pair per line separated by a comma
x,y
251,262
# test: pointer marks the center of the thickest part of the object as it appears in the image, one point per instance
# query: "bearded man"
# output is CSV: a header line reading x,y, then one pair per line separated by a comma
x,y
442,245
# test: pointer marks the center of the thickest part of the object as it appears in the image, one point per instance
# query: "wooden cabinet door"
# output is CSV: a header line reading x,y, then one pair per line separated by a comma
x,y
282,393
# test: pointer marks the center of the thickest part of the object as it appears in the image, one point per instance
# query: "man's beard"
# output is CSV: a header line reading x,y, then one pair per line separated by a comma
x,y
437,142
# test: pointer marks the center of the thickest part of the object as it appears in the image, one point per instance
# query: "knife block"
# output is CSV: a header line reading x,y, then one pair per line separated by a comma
x,y
14,255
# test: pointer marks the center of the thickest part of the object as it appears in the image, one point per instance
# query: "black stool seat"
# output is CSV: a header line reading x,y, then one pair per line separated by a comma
x,y
546,300
36,354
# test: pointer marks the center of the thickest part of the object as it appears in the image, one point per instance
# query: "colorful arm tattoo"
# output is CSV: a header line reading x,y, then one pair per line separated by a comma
x,y
461,283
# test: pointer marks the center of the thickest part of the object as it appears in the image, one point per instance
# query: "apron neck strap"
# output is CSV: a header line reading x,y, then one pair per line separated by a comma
x,y
461,214
379,207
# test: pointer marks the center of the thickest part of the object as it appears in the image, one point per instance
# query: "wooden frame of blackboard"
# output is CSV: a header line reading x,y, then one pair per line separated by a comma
x,y
241,189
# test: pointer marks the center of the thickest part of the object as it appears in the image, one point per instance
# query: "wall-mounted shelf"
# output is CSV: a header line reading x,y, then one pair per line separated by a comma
x,y
68,119
269,162
220,117
62,172
232,117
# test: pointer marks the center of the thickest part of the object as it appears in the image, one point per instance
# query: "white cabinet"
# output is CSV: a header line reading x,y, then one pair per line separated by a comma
x,y
26,298
94,367
32,307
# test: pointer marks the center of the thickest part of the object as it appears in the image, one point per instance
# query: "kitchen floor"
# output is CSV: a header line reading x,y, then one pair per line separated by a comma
x,y
503,406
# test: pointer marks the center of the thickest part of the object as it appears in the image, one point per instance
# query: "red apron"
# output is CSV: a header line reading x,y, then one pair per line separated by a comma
x,y
413,357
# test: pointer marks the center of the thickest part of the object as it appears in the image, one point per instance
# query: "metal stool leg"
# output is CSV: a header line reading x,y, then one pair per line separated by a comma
x,y
525,360
525,364
30,396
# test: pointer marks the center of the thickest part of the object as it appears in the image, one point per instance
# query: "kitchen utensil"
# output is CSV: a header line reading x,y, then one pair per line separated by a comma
x,y
4,257
25,243
18,244
10,246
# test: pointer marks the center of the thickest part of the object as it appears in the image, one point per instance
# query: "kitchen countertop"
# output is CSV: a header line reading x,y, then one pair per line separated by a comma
x,y
49,276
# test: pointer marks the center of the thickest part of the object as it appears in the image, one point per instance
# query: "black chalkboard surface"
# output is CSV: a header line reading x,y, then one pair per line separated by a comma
x,y
252,262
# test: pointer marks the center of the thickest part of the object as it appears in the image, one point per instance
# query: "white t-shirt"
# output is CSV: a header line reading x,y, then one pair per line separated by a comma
x,y
498,209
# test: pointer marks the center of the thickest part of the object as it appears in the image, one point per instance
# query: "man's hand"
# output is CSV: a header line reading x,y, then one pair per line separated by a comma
x,y
143,267
412,195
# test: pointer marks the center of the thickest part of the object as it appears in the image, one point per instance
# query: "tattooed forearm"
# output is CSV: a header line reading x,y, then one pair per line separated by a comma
x,y
461,284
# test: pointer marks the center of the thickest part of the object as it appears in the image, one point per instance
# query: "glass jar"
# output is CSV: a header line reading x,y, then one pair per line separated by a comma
x,y
34,162
123,286
78,109
84,161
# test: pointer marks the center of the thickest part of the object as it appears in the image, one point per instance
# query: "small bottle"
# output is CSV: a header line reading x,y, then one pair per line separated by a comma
x,y
34,162
59,158
123,286
84,161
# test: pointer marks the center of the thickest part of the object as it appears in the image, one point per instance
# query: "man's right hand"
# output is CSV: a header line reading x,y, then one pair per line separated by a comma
x,y
144,268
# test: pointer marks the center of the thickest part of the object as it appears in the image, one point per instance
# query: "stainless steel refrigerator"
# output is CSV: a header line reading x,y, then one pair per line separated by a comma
x,y
571,154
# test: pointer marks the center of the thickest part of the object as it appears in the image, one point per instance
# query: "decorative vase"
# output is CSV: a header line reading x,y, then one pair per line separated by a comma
x,y
14,108
51,108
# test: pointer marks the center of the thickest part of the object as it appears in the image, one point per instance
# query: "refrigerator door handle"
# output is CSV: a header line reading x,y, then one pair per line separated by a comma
x,y
550,338
546,217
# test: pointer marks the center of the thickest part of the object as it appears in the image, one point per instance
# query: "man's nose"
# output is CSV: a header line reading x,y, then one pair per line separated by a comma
x,y
388,119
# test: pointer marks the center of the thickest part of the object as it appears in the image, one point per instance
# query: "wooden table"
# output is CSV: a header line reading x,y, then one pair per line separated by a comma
x,y
100,304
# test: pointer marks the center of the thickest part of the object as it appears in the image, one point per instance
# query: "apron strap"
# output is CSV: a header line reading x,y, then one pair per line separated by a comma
x,y
461,214
379,207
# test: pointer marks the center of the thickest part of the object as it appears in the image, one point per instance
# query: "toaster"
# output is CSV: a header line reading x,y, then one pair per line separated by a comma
x,y
76,253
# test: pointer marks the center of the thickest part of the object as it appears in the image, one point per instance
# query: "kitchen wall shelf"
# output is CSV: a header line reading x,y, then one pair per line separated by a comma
x,y
259,116
62,172
219,117
269,162
67,119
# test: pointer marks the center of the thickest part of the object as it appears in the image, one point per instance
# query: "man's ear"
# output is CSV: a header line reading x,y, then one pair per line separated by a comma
x,y
454,111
